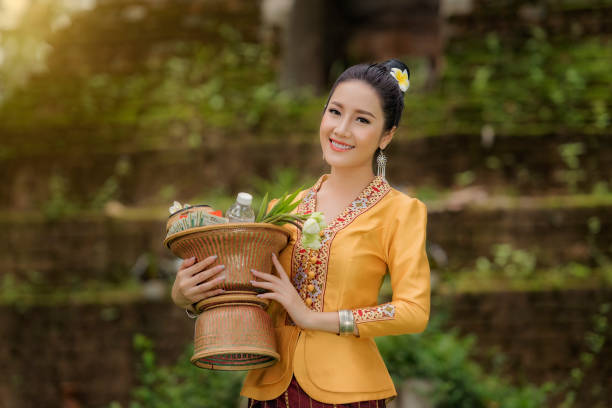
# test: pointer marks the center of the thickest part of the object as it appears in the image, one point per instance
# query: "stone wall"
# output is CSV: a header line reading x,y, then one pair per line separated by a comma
x,y
53,355
79,250
106,249
84,353
555,235
469,18
542,335
506,163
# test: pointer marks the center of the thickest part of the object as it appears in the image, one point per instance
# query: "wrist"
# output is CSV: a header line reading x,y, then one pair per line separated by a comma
x,y
308,319
178,300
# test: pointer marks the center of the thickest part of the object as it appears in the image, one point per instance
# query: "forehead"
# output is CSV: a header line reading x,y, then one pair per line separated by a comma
x,y
356,94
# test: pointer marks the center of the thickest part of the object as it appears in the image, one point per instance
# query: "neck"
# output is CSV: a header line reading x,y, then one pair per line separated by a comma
x,y
348,180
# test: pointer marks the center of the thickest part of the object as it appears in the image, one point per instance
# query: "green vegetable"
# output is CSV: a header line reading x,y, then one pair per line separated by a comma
x,y
280,213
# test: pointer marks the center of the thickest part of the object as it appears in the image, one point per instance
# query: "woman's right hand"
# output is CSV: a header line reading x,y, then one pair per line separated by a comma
x,y
195,281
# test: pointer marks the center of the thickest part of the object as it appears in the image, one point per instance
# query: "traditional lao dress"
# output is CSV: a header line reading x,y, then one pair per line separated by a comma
x,y
382,231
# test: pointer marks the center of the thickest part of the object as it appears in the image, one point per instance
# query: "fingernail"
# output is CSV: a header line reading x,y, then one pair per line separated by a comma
x,y
274,255
215,257
258,296
191,259
252,281
222,266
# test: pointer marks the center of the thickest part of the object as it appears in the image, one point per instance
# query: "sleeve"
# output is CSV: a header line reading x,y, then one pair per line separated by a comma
x,y
408,311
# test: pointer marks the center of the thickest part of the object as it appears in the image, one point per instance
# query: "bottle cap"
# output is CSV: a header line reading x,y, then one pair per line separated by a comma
x,y
244,199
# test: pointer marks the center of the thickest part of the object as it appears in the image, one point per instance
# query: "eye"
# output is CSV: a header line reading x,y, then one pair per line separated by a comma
x,y
334,111
363,120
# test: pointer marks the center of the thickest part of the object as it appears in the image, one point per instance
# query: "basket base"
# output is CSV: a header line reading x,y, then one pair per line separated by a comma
x,y
234,336
227,361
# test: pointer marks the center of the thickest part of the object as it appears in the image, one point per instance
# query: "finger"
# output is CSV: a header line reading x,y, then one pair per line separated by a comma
x,y
204,287
187,262
279,268
208,294
200,266
270,295
207,274
264,285
266,276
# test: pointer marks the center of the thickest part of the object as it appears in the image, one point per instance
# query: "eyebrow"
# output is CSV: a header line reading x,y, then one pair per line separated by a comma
x,y
358,110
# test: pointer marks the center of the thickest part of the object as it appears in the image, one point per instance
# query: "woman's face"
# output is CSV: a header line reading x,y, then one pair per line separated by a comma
x,y
352,125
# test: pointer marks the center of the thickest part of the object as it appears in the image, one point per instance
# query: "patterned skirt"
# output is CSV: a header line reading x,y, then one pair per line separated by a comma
x,y
296,397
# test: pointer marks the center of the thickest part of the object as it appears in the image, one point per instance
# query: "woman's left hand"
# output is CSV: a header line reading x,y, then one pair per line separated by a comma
x,y
282,290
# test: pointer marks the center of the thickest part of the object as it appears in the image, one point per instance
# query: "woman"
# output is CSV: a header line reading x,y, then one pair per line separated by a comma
x,y
372,229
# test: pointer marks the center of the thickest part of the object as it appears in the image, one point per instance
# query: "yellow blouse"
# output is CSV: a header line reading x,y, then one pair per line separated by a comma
x,y
382,230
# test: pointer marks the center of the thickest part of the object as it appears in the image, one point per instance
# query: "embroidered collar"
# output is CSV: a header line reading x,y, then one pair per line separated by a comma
x,y
309,267
363,201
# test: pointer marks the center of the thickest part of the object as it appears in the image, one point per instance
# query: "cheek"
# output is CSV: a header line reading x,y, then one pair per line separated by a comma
x,y
326,125
366,136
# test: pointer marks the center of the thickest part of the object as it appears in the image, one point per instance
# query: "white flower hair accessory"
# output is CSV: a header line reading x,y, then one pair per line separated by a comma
x,y
401,77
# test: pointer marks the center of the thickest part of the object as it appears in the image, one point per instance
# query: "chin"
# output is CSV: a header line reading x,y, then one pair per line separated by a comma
x,y
339,163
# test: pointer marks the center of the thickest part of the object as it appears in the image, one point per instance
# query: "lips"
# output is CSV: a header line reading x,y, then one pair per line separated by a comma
x,y
344,146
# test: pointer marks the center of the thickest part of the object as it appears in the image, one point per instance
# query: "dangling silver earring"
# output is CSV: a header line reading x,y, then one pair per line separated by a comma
x,y
381,161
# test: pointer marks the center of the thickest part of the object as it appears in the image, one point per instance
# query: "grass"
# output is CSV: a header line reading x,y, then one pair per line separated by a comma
x,y
24,294
541,280
436,200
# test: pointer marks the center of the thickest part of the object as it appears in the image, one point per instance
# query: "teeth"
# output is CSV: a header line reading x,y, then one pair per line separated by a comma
x,y
343,147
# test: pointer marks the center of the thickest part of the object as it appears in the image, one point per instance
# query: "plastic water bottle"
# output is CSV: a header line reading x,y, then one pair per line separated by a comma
x,y
241,210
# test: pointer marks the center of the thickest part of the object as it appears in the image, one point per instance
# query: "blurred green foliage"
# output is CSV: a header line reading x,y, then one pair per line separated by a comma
x,y
574,385
438,356
34,290
536,86
513,263
573,174
510,268
62,203
205,88
445,359
58,204
281,180
181,385
531,87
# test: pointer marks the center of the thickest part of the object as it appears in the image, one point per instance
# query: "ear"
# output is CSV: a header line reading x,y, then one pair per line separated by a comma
x,y
387,137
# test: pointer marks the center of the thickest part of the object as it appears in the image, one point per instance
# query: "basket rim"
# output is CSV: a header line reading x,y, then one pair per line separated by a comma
x,y
232,225
187,208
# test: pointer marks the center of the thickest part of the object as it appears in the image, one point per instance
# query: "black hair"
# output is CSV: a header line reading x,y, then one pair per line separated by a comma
x,y
379,77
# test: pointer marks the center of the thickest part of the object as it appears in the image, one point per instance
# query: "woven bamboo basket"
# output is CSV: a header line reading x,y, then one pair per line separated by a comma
x,y
233,332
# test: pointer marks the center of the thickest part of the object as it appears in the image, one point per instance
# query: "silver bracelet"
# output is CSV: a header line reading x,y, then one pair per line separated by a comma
x,y
347,322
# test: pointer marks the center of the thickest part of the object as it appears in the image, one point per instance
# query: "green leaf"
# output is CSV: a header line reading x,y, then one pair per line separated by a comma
x,y
281,212
262,208
278,205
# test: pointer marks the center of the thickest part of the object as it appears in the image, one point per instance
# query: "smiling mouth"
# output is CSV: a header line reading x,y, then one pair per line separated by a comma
x,y
340,146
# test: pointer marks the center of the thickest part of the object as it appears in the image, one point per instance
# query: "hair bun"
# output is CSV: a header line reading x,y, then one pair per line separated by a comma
x,y
399,71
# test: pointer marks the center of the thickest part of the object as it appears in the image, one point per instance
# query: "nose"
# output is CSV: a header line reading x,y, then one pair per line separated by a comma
x,y
343,128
